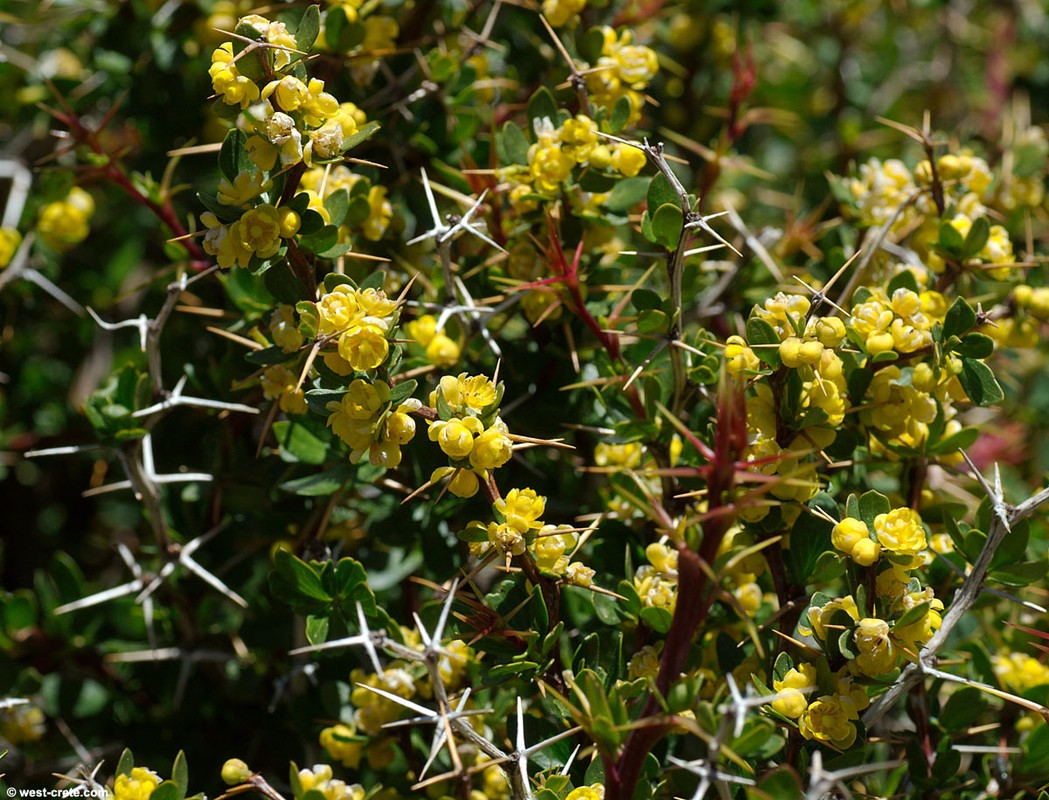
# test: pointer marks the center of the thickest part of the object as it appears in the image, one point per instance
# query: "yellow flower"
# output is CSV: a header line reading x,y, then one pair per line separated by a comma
x,y
464,482
364,346
491,450
223,242
595,791
549,167
827,721
739,358
1019,671
63,223
442,351
550,547
400,428
278,383
22,724
243,189
319,779
794,352
10,239
379,215
900,531
260,231
628,160
289,93
139,785
507,539
851,537
877,655
343,745
324,143
561,12
792,689
235,89
319,105
522,508
815,620
456,435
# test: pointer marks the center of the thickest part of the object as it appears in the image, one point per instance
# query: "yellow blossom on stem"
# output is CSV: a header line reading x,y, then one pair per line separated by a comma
x,y
900,531
139,785
792,690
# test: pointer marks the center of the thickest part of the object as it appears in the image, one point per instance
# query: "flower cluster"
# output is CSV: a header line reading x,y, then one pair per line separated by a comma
x,y
557,151
369,423
469,431
438,348
320,780
359,322
623,70
656,581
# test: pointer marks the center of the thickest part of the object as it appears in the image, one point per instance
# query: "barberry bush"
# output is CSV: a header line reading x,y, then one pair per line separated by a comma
x,y
569,400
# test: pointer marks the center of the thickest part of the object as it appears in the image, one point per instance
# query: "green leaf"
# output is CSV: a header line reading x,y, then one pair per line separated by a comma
x,y
784,664
284,284
268,356
645,299
961,440
660,192
1023,574
976,238
350,582
474,532
233,155
1035,760
300,576
321,241
337,203
542,105
402,391
319,484
652,320
871,505
225,214
666,225
960,319
809,538
760,332
626,194
781,783
316,628
126,763
975,345
311,222
298,444
180,774
512,669
620,114
658,619
167,790
333,279
374,280
962,709
979,383
912,615
515,144
902,280
950,239
309,27
362,135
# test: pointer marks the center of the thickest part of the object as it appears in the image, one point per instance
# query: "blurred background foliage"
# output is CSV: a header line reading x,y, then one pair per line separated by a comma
x,y
815,77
